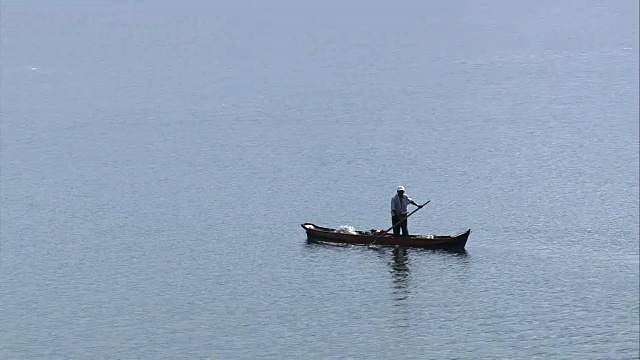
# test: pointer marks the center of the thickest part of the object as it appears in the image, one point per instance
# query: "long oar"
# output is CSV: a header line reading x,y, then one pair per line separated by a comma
x,y
398,223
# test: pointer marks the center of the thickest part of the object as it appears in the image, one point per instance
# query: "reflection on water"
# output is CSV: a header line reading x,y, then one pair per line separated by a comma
x,y
400,272
399,263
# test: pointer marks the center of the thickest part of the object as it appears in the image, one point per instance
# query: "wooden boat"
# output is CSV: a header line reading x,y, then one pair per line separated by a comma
x,y
377,237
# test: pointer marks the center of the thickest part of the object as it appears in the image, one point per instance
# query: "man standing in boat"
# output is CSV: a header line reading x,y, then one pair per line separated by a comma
x,y
399,212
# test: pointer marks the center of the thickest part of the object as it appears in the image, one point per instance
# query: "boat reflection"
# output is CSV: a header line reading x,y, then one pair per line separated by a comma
x,y
461,253
399,264
401,272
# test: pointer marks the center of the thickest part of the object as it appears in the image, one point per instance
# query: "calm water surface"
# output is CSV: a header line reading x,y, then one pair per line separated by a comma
x,y
157,160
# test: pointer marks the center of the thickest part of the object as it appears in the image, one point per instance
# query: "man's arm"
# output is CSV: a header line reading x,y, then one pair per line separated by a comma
x,y
394,207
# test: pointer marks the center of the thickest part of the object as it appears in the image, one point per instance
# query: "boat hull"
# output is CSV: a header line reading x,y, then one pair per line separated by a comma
x,y
324,234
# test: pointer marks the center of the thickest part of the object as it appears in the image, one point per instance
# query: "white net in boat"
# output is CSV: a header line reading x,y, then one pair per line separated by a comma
x,y
346,229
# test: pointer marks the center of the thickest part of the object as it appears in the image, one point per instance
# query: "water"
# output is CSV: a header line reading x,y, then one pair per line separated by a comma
x,y
158,159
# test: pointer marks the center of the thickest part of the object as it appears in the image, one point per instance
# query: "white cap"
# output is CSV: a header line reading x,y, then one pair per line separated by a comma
x,y
400,188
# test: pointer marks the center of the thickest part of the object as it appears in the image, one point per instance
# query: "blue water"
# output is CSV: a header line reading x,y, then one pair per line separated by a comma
x,y
158,158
